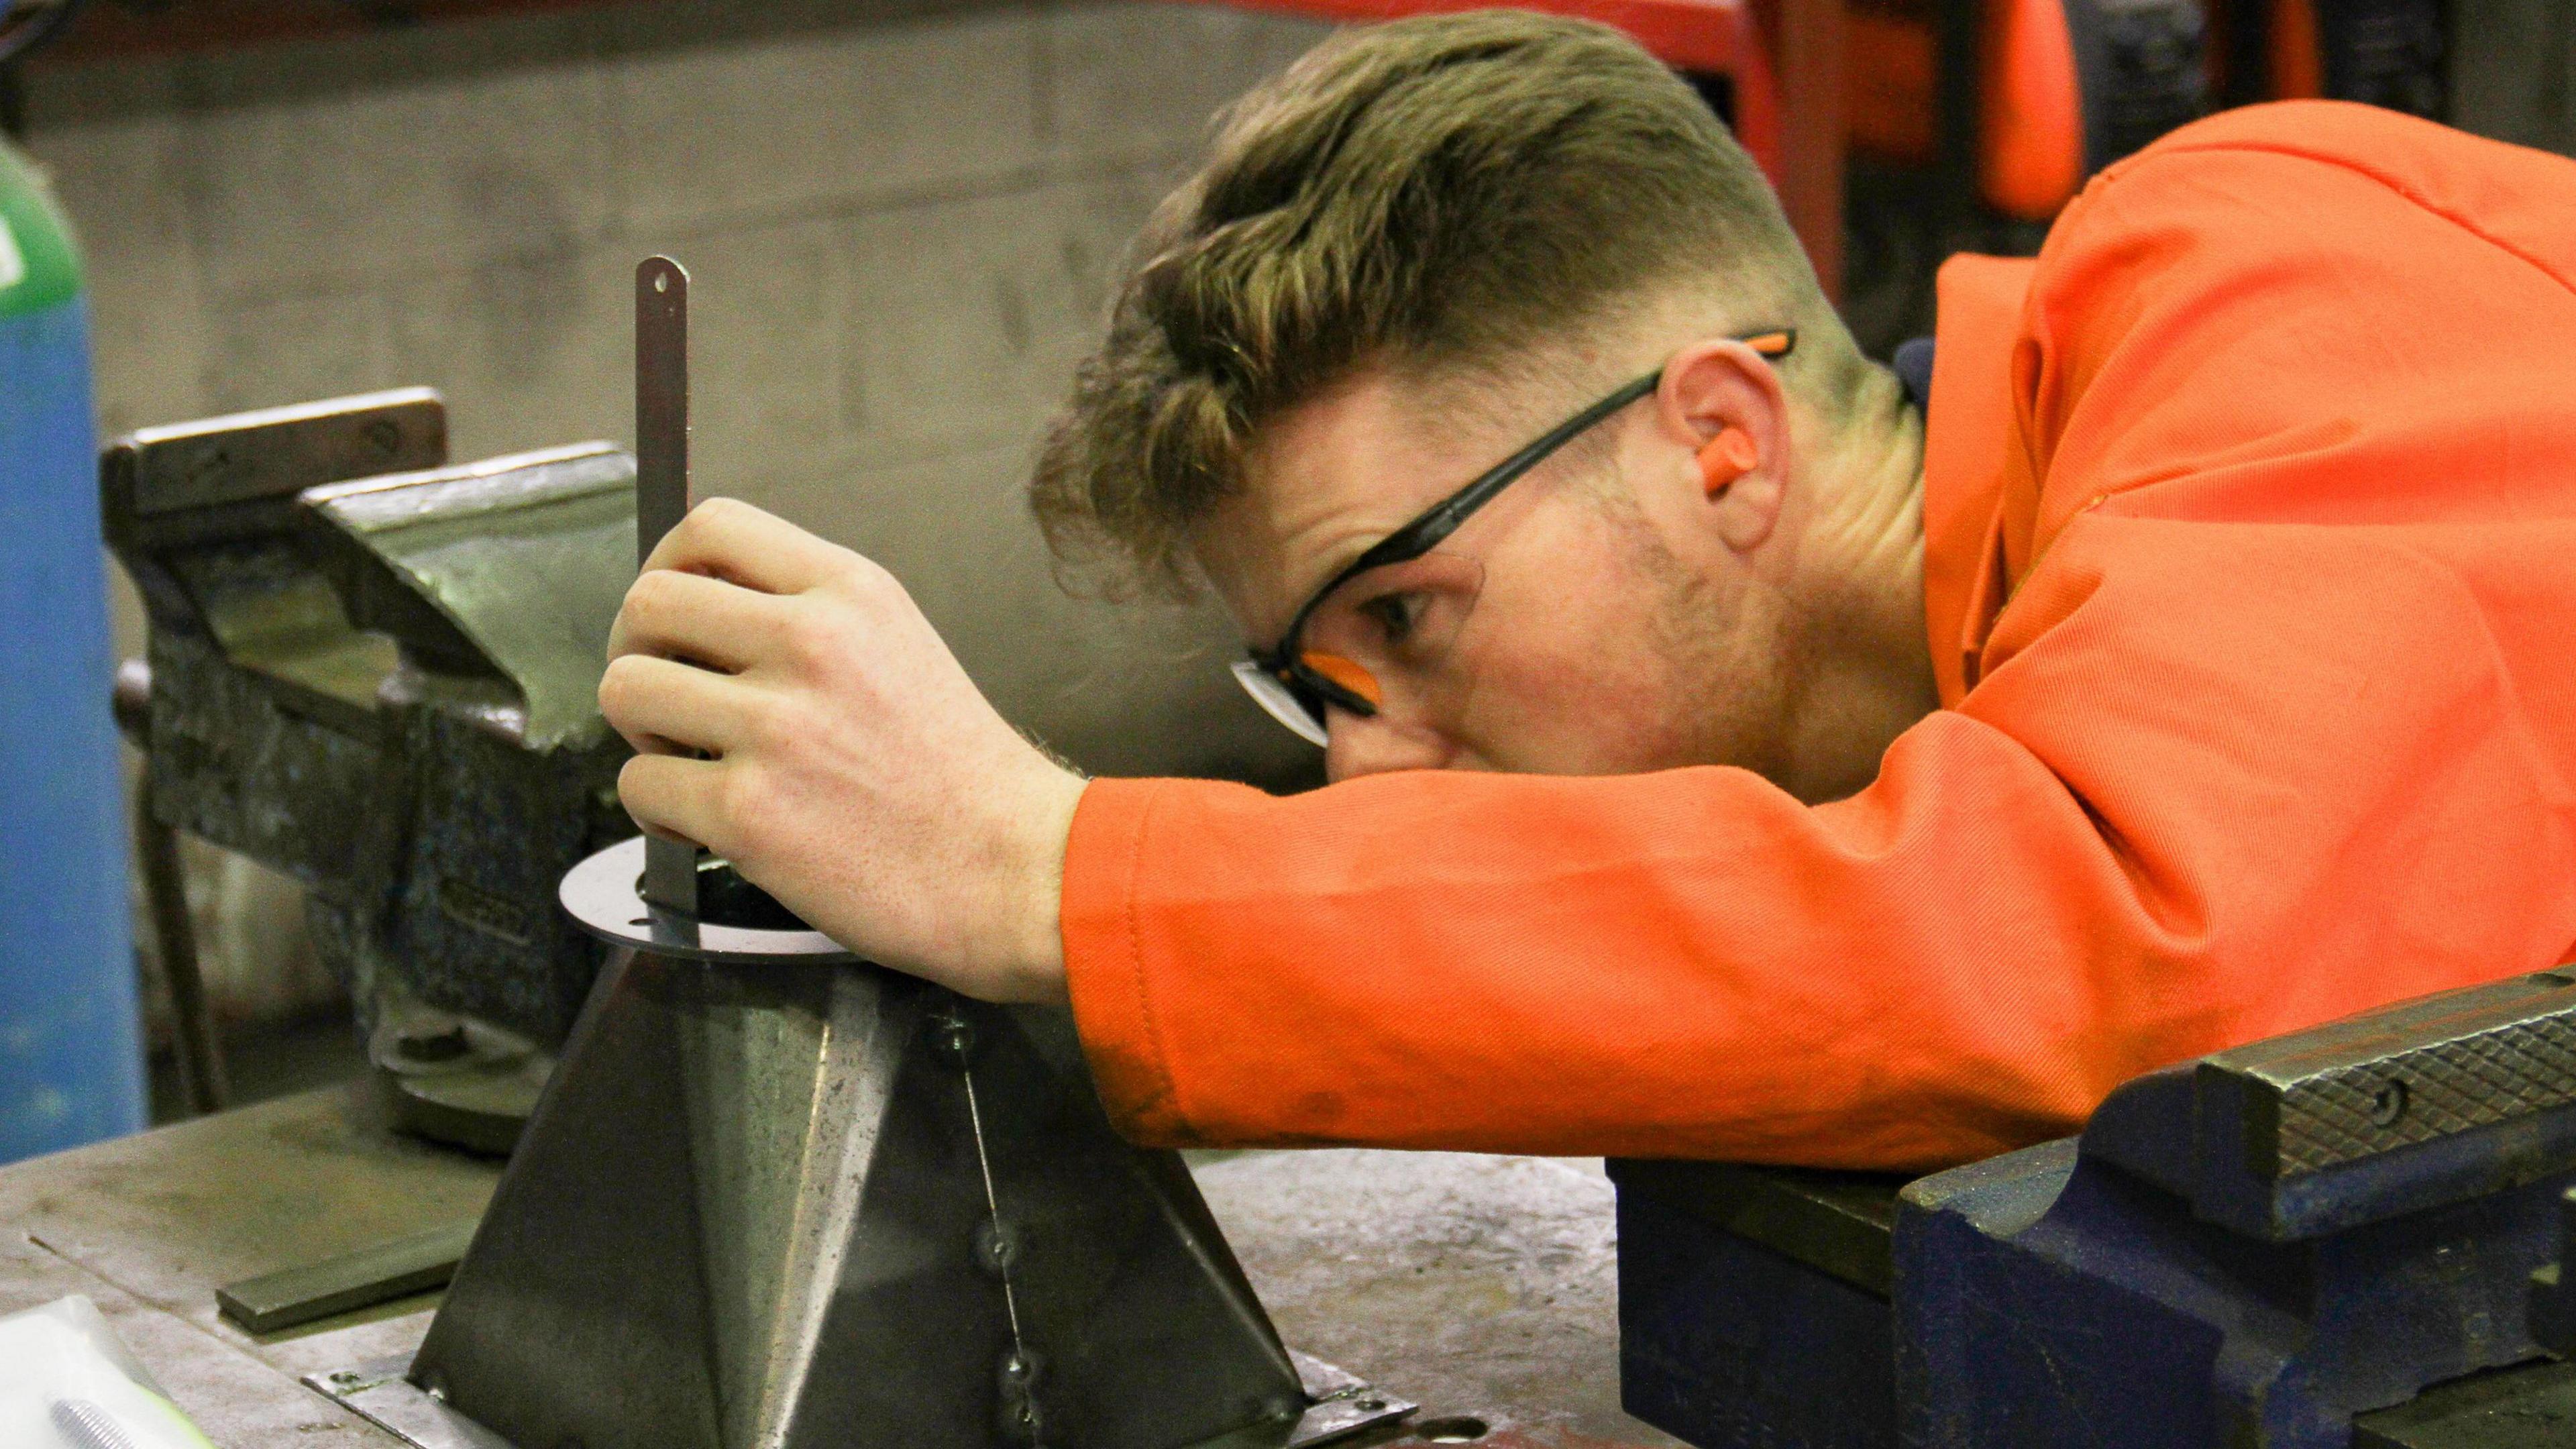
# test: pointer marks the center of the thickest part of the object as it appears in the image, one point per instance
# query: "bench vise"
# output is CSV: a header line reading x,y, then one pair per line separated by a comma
x,y
2348,1236
377,673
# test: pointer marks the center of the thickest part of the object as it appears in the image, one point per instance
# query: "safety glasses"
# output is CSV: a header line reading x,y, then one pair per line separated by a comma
x,y
1385,621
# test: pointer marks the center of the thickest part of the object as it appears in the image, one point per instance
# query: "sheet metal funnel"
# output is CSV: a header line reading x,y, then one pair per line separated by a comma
x,y
768,1204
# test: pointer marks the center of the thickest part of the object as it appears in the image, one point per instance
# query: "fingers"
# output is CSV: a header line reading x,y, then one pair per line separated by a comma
x,y
661,706
692,616
673,797
732,540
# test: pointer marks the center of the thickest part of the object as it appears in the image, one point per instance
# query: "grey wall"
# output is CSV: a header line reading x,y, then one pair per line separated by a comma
x,y
900,220
2513,71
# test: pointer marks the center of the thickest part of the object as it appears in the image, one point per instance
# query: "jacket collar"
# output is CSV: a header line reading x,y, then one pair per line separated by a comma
x,y
1974,462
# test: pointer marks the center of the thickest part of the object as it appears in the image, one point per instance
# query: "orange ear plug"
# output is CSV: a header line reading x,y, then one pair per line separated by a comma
x,y
1728,456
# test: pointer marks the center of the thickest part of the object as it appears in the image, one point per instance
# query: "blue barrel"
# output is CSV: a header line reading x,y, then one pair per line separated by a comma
x,y
71,1059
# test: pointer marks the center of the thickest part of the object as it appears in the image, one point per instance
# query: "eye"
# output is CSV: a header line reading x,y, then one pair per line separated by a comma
x,y
1394,614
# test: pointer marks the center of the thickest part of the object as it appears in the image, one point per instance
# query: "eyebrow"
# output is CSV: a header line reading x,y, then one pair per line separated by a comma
x,y
1306,591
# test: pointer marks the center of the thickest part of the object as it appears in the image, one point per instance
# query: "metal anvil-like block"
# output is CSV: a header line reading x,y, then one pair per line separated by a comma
x,y
377,673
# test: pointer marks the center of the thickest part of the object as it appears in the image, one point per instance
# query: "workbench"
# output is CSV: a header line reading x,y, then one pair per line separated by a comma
x,y
1479,1287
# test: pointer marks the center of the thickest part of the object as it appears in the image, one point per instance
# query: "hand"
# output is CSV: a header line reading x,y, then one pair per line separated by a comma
x,y
851,769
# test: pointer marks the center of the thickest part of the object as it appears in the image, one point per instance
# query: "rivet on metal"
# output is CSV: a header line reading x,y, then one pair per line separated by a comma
x,y
2388,1103
952,1038
996,1247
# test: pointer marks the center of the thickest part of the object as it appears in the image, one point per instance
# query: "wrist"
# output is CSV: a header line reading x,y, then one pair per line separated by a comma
x,y
1035,954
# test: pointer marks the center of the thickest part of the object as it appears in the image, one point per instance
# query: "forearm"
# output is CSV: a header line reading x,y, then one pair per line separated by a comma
x,y
1689,964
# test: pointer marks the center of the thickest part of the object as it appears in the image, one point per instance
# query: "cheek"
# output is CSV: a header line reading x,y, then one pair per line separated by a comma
x,y
1572,677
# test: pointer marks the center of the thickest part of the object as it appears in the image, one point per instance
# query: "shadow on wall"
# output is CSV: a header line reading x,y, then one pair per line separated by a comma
x,y
901,222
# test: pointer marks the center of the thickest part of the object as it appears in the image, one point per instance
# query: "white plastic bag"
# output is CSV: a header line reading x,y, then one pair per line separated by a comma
x,y
68,1382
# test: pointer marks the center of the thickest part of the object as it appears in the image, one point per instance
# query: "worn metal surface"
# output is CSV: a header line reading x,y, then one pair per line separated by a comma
x,y
381,1391
149,1225
2531,1407
1480,1286
276,452
2390,1112
376,673
512,567
2392,1080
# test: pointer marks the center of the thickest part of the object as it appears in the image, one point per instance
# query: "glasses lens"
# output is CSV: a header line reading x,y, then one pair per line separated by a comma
x,y
1279,701
1396,628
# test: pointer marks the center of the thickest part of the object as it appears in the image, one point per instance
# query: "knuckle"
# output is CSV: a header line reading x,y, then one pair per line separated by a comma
x,y
743,798
617,686
815,638
717,512
649,597
874,582
634,785
790,726
767,732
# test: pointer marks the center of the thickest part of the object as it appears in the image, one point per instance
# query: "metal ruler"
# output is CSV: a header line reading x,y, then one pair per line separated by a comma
x,y
662,497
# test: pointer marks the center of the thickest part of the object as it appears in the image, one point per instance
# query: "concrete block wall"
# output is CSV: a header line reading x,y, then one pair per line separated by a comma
x,y
900,220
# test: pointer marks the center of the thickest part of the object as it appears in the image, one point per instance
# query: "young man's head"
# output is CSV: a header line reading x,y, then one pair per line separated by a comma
x,y
1414,253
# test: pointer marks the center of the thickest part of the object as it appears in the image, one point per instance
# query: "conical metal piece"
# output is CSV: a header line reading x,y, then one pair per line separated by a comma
x,y
757,1208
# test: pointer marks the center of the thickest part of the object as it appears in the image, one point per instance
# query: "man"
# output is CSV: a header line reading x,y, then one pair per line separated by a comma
x,y
1760,765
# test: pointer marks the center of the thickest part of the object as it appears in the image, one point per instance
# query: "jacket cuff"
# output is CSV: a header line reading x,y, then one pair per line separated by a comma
x,y
1104,960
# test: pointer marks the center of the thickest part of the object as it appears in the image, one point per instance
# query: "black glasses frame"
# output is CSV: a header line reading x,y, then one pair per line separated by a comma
x,y
1432,527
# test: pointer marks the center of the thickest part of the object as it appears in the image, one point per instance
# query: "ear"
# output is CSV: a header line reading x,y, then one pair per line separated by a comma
x,y
1722,401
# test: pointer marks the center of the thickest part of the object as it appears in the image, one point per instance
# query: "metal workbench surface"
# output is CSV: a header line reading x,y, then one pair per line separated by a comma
x,y
1477,1286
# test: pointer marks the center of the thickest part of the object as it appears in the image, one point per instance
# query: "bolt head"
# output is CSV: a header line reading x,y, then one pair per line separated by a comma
x,y
2388,1103
952,1039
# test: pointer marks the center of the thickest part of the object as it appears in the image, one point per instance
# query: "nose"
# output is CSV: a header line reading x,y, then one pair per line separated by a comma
x,y
1359,745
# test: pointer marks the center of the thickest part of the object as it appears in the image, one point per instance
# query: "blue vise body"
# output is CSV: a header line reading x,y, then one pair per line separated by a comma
x,y
2348,1236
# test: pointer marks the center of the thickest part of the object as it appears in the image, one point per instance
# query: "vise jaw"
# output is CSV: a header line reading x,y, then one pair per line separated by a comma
x,y
2348,1236
376,673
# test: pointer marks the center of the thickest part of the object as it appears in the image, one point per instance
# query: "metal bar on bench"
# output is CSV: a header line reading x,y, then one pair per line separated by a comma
x,y
351,1281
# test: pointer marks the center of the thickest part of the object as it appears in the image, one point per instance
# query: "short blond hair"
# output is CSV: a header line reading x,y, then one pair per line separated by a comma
x,y
1429,195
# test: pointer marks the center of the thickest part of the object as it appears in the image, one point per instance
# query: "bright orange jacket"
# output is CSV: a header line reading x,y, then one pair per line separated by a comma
x,y
2250,575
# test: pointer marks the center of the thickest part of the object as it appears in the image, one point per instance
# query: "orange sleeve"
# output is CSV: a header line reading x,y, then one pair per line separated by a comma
x,y
2273,724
